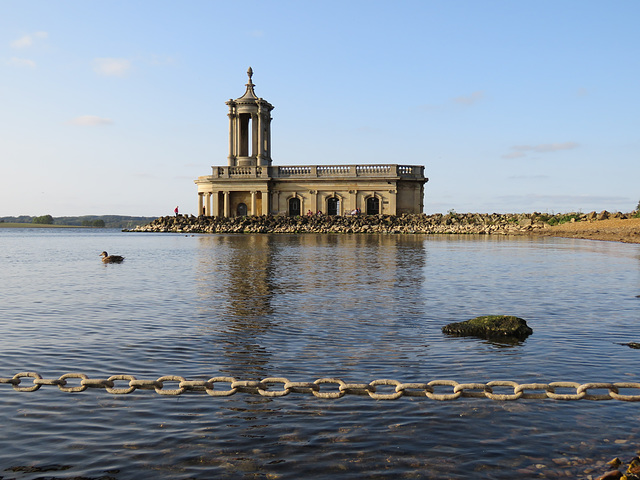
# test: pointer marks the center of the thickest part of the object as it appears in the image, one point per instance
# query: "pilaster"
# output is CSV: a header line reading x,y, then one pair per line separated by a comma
x,y
227,212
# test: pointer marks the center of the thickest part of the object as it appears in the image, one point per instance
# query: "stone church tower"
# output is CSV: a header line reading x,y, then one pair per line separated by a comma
x,y
249,129
250,185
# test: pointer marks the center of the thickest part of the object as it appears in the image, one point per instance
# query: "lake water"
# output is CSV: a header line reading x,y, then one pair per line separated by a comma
x,y
304,307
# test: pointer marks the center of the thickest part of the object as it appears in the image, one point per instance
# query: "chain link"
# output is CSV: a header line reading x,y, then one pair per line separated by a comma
x,y
333,388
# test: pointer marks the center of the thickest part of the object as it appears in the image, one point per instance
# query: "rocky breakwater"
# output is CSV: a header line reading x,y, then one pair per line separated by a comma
x,y
451,223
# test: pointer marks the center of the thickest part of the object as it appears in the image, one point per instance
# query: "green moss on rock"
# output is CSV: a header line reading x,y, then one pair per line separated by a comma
x,y
490,326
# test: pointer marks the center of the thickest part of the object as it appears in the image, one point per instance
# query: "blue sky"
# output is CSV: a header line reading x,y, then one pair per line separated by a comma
x,y
512,106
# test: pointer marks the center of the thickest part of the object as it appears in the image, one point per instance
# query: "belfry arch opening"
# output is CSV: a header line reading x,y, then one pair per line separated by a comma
x,y
245,135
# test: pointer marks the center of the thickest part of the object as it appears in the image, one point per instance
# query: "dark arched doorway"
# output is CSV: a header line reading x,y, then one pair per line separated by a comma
x,y
242,210
373,206
333,206
294,207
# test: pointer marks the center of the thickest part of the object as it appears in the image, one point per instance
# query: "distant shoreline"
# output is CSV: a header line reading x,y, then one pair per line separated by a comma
x,y
38,225
98,221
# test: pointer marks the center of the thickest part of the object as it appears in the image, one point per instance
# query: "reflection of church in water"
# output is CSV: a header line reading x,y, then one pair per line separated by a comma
x,y
251,185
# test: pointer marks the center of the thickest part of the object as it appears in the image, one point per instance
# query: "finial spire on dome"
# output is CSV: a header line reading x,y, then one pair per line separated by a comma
x,y
249,93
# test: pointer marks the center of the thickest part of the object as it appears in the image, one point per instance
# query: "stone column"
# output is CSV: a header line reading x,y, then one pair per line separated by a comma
x,y
267,147
226,205
276,201
215,207
259,137
265,202
314,202
232,154
237,138
393,203
200,195
253,202
353,200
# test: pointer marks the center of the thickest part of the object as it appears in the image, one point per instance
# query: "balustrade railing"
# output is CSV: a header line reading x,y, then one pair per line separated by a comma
x,y
333,170
314,171
291,171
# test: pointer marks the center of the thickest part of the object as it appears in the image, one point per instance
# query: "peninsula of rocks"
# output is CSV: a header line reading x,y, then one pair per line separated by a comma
x,y
450,223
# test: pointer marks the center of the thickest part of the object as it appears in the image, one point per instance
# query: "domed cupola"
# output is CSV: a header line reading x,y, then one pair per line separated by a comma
x,y
249,128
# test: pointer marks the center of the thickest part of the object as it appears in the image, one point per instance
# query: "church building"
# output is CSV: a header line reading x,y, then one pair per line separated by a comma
x,y
250,185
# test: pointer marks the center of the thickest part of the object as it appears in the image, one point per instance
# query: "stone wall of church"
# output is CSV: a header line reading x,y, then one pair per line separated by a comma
x,y
342,194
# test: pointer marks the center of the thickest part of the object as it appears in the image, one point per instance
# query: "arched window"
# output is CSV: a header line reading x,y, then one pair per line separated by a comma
x,y
242,210
333,206
294,207
373,206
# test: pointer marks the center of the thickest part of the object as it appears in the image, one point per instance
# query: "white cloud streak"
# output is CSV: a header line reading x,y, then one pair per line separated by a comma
x,y
28,40
532,199
91,121
519,151
112,67
469,99
21,62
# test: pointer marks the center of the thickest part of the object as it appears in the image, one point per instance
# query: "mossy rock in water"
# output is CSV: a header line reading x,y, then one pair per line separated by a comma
x,y
490,326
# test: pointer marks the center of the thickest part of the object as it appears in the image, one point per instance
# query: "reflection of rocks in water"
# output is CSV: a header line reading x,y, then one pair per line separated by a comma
x,y
236,291
236,275
250,278
247,284
245,360
506,342
36,469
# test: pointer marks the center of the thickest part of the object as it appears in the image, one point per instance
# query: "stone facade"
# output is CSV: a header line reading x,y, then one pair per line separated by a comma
x,y
250,185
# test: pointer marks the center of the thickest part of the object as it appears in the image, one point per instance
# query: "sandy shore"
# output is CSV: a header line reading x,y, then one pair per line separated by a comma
x,y
612,230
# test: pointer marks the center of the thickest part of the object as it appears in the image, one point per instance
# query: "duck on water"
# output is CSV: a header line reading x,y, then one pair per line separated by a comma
x,y
106,258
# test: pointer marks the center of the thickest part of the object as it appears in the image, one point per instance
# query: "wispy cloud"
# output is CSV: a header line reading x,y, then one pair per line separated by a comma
x,y
161,60
464,100
112,67
28,40
533,198
468,100
519,151
514,155
91,121
21,62
529,177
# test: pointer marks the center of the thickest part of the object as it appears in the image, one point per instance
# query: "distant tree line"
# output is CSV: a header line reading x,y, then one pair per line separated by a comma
x,y
96,221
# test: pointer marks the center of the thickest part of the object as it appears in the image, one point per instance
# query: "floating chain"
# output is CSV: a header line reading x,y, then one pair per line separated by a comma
x,y
265,387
